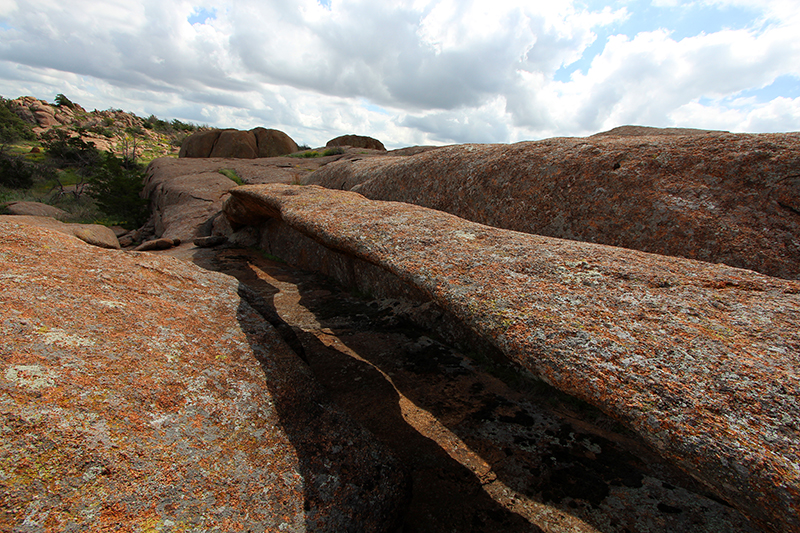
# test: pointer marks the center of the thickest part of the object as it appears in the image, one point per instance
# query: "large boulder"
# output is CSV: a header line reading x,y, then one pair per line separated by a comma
x,y
143,392
699,359
357,141
726,198
94,234
199,144
231,143
235,144
273,143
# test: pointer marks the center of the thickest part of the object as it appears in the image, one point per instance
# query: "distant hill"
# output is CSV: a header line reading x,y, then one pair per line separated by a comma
x,y
110,130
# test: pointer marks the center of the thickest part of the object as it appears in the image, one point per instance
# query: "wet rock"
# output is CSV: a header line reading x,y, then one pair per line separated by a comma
x,y
93,234
699,359
123,403
718,197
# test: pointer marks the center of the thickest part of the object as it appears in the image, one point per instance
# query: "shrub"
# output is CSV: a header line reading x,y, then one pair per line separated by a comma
x,y
72,152
15,172
338,150
231,175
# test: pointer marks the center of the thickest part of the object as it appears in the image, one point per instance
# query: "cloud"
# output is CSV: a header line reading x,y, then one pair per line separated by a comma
x,y
420,71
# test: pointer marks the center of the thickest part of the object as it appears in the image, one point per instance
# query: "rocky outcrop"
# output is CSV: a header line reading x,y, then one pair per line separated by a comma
x,y
230,143
357,141
186,194
716,197
145,391
93,234
699,359
35,209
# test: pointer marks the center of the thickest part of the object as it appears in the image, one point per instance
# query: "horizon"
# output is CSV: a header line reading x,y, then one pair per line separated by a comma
x,y
415,72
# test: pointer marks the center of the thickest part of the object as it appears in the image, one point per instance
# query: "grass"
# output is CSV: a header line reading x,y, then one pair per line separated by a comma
x,y
231,175
305,155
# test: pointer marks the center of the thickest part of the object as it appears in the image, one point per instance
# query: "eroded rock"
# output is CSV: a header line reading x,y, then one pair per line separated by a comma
x,y
231,143
699,359
718,197
35,209
94,234
357,141
123,403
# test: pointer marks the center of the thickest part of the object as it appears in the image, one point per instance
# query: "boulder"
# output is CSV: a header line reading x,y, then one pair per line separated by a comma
x,y
231,143
157,244
35,209
357,141
699,359
235,144
724,198
273,143
143,391
199,144
93,234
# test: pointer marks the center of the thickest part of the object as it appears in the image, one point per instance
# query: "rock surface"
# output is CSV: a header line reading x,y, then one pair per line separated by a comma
x,y
230,143
724,198
94,234
698,359
357,141
124,403
35,209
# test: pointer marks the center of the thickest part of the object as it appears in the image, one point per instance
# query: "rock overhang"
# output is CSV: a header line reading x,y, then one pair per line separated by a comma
x,y
700,359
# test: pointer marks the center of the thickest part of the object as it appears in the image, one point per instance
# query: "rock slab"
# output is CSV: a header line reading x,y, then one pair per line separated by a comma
x,y
718,197
145,391
700,359
94,234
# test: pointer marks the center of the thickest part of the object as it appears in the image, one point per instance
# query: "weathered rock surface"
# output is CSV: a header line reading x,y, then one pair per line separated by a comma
x,y
699,359
357,141
124,404
35,209
186,193
94,234
725,198
230,143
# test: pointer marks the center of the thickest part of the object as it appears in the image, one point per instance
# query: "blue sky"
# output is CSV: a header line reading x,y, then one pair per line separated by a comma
x,y
415,71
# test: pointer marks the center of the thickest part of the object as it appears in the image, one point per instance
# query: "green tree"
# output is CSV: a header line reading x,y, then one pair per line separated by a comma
x,y
115,186
63,101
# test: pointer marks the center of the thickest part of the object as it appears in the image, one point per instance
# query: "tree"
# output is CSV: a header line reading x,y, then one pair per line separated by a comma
x,y
63,101
115,186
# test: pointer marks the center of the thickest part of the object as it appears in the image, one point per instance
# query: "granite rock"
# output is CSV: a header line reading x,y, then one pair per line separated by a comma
x,y
93,234
699,359
718,197
123,403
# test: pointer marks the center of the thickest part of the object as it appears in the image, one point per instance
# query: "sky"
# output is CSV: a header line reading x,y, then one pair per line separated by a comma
x,y
413,72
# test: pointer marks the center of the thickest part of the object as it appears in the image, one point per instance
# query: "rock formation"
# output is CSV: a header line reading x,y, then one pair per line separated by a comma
x,y
357,141
35,209
144,392
230,143
94,234
716,197
699,359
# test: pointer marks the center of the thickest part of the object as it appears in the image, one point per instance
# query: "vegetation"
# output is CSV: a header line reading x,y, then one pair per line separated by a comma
x,y
63,166
231,175
337,150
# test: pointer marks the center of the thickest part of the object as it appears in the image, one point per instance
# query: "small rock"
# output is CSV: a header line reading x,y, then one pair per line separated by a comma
x,y
157,244
210,241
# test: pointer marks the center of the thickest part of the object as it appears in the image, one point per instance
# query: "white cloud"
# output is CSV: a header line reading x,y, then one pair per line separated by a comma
x,y
441,70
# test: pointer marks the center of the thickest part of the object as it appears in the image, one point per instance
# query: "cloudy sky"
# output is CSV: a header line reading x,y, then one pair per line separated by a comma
x,y
415,71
